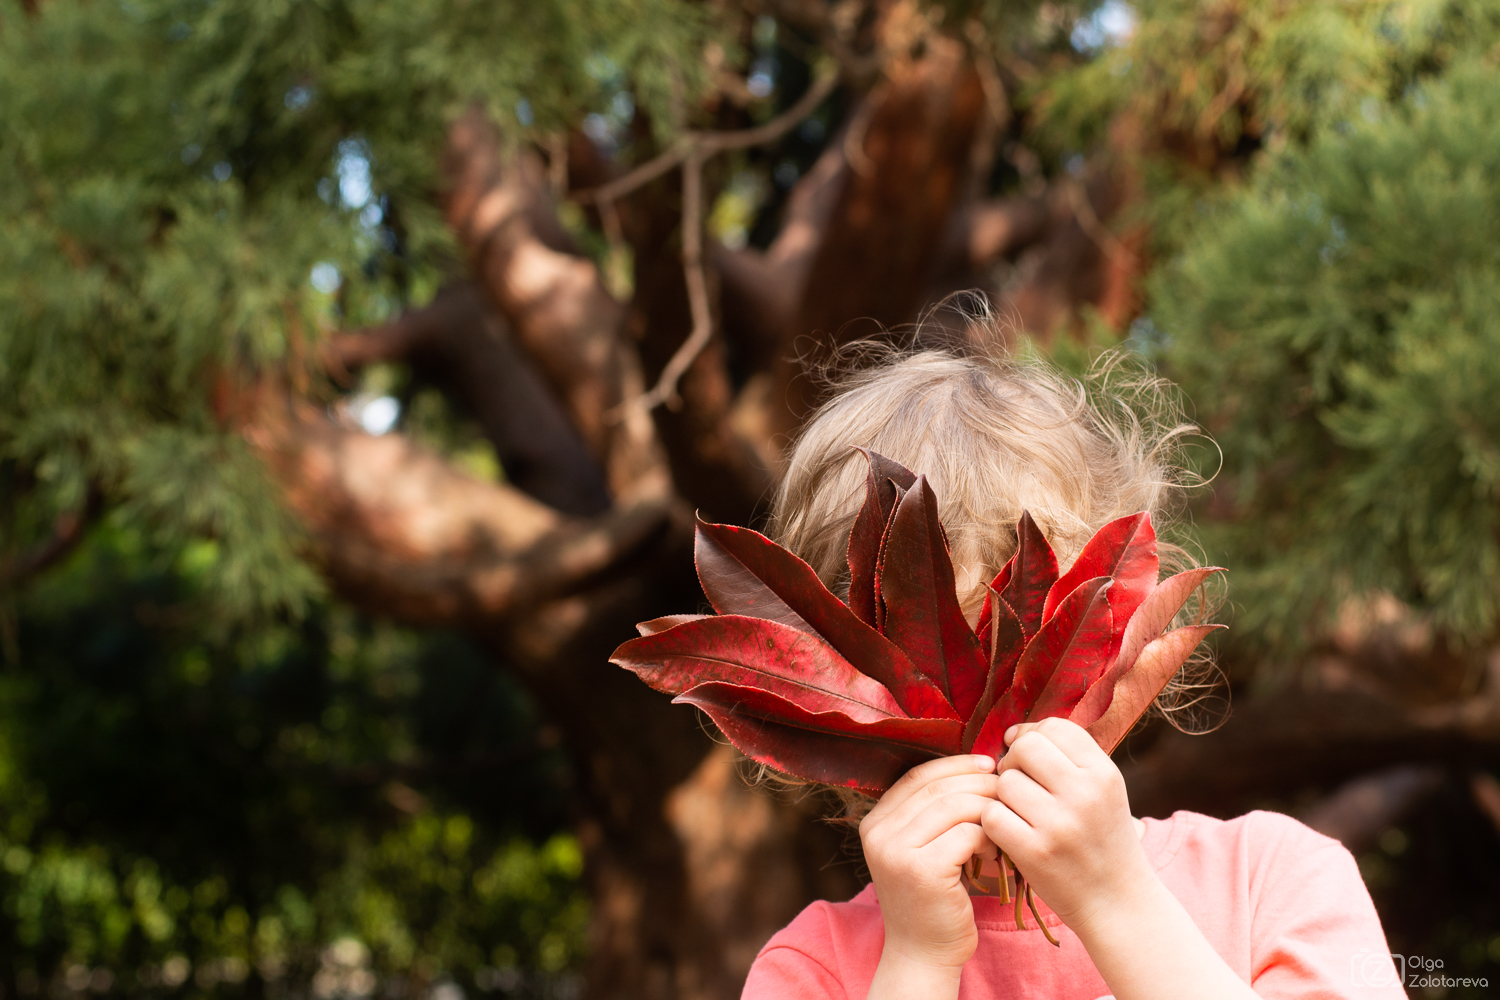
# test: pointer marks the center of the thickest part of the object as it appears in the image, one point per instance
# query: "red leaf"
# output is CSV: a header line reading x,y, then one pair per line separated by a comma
x,y
1148,622
1124,549
1077,672
881,484
753,652
1025,580
735,588
1140,685
665,622
885,537
1077,637
745,573
922,614
828,747
1008,641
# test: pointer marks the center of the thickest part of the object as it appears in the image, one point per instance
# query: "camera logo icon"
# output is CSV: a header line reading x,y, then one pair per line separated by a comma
x,y
1379,969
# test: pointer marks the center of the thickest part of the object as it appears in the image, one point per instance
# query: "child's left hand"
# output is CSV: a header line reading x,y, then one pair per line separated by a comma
x,y
1064,820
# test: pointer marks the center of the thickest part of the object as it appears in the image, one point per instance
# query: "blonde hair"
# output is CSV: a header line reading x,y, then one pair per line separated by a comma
x,y
997,434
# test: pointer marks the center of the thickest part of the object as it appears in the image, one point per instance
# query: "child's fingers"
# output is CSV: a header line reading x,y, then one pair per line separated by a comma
x,y
931,823
923,798
1036,755
1071,738
1025,797
958,844
1004,827
913,780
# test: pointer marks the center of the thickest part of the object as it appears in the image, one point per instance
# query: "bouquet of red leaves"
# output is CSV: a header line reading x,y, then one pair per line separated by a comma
x,y
856,694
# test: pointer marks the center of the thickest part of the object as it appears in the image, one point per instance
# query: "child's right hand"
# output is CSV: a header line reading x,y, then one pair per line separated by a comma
x,y
917,840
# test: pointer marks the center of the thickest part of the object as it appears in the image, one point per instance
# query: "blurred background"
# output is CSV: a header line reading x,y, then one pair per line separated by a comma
x,y
362,362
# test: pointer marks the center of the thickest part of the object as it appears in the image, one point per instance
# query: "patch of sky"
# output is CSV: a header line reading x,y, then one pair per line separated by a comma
x,y
1111,24
325,277
1146,338
762,78
375,414
298,98
524,114
353,170
1074,163
812,131
191,152
222,171
622,108
1338,237
597,128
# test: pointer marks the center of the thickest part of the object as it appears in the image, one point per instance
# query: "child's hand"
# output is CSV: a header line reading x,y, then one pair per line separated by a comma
x,y
1063,818
917,840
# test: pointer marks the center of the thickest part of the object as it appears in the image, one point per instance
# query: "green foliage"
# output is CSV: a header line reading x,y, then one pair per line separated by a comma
x,y
1249,75
327,802
172,173
1338,323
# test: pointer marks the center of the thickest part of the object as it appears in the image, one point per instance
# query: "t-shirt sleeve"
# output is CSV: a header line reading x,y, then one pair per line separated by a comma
x,y
1315,932
786,973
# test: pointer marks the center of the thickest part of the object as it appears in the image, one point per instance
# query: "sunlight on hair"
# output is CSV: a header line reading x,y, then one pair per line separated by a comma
x,y
996,433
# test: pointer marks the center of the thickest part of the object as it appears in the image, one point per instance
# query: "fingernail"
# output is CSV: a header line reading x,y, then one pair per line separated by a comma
x,y
984,763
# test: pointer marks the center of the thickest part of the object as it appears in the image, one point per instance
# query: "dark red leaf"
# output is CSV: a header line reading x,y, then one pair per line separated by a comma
x,y
753,652
734,588
665,622
828,747
1008,641
1139,686
922,614
1148,622
1125,550
885,537
745,573
881,483
1077,671
1077,637
1025,580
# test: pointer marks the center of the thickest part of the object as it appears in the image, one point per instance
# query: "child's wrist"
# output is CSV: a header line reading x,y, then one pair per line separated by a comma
x,y
1128,907
905,972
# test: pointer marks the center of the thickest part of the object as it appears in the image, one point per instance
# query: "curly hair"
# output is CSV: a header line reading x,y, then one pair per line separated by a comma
x,y
996,434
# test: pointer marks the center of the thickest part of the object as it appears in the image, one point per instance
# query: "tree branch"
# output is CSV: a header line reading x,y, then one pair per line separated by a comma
x,y
405,534
1361,808
760,291
665,390
702,145
461,343
554,299
1312,738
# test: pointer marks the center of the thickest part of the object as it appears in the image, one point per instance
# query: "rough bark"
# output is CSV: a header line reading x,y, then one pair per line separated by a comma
x,y
459,342
552,296
873,262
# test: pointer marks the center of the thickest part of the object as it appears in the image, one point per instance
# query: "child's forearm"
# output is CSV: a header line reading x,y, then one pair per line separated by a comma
x,y
899,977
1148,948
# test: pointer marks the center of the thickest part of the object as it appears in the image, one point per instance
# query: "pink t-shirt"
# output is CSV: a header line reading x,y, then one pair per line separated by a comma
x,y
1284,906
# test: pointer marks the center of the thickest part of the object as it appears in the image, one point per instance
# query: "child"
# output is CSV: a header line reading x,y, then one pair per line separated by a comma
x,y
1259,906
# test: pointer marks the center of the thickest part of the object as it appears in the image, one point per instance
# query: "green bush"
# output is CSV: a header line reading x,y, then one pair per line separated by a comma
x,y
1337,322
